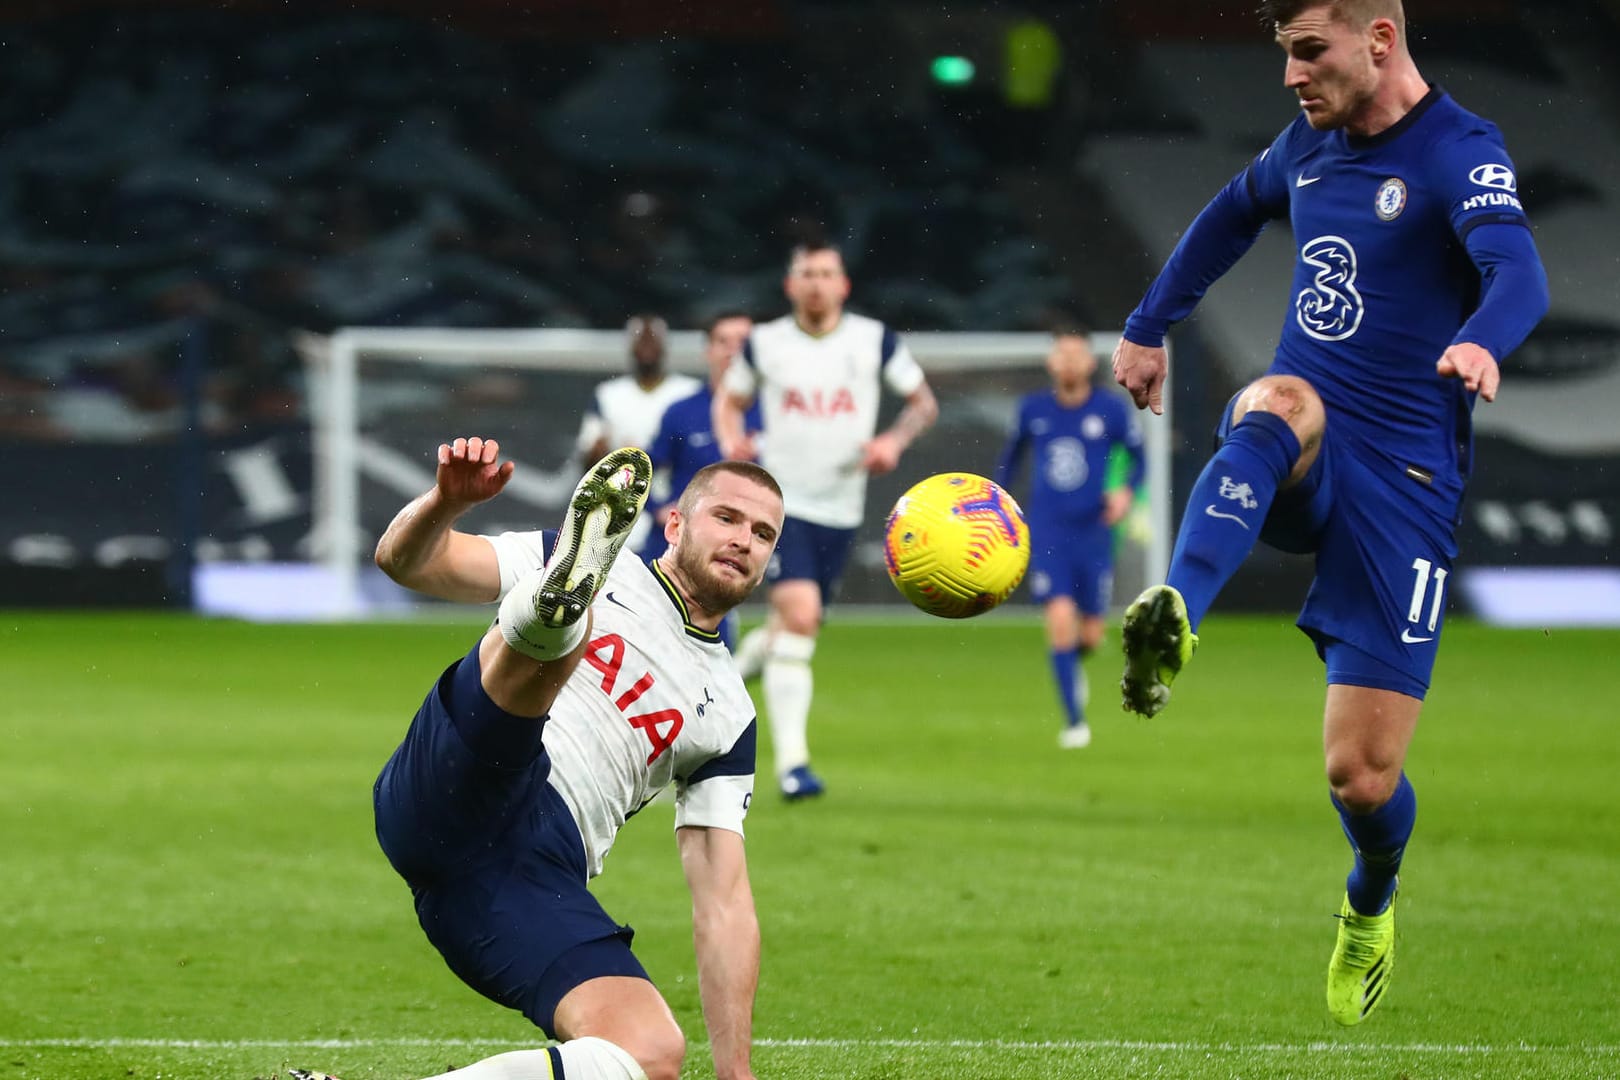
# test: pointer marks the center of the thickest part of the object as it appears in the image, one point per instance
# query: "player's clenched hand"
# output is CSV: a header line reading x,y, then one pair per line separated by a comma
x,y
1474,365
742,449
1116,504
467,471
881,454
1141,371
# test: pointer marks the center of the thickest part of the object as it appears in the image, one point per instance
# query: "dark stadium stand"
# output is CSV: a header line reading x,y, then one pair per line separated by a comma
x,y
267,171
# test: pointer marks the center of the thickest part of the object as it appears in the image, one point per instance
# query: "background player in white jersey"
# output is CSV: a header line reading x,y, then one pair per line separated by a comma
x,y
625,410
819,375
571,713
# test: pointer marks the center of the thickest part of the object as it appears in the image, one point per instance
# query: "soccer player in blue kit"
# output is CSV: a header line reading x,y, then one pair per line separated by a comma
x,y
1072,428
1416,275
685,441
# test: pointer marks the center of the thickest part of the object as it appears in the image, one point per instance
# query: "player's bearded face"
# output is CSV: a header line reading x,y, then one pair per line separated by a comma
x,y
817,283
721,553
719,580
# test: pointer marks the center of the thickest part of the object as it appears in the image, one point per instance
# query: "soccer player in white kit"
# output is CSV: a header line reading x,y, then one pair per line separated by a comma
x,y
602,681
819,374
626,409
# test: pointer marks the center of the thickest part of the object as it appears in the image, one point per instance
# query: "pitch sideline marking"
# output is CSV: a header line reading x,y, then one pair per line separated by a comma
x,y
1596,1049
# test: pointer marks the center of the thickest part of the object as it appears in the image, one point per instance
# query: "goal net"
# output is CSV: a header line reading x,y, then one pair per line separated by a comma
x,y
383,399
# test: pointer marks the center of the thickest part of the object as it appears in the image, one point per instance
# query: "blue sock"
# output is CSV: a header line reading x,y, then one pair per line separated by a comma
x,y
1379,840
1065,665
1227,506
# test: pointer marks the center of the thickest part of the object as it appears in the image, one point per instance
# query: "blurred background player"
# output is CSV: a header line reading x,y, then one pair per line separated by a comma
x,y
1416,275
685,441
819,374
523,762
1075,431
625,410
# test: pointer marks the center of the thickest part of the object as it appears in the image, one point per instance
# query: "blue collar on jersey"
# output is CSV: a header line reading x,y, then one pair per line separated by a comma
x,y
711,637
1394,131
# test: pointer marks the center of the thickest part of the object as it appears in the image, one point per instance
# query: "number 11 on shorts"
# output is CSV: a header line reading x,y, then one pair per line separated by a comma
x,y
1425,570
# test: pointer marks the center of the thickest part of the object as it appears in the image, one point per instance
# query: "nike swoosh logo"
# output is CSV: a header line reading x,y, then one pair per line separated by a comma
x,y
1406,636
1212,512
1303,181
616,600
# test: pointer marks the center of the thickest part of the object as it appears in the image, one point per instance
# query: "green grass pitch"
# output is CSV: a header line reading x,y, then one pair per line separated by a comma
x,y
190,888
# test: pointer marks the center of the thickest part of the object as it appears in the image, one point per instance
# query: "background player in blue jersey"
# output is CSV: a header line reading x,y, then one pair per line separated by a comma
x,y
685,441
1415,276
1073,429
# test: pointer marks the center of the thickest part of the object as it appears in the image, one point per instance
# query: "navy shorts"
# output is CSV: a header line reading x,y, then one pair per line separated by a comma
x,y
809,552
1384,553
492,854
1076,561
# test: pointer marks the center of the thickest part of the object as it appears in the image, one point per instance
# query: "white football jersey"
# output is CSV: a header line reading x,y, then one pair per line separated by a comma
x,y
819,399
627,415
655,701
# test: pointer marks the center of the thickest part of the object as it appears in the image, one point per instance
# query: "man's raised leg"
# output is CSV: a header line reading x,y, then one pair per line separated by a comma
x,y
1276,433
542,616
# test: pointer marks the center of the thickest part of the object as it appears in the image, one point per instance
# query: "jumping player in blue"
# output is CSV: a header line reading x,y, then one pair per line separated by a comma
x,y
1072,429
1416,276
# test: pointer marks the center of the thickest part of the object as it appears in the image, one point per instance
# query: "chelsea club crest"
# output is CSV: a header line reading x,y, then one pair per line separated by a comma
x,y
1391,199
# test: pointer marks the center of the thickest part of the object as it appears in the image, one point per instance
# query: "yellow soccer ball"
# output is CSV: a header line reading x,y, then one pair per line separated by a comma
x,y
956,545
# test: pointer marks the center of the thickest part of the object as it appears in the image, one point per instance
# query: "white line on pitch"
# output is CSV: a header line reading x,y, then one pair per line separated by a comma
x,y
848,1044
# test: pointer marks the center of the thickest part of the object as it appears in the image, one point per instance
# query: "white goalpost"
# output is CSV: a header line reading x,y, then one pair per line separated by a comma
x,y
382,399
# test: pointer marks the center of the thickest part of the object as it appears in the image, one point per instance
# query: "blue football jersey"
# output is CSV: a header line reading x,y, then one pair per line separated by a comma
x,y
1382,282
1070,446
685,441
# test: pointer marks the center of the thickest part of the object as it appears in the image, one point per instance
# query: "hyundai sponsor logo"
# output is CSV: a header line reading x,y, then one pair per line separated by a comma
x,y
1495,198
1494,176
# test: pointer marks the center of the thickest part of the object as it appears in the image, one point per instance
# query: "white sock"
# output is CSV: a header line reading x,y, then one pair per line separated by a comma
x,y
598,1059
749,655
583,1059
525,633
516,1065
788,689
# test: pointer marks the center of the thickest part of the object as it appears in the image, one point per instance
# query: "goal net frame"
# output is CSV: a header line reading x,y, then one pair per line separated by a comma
x,y
339,546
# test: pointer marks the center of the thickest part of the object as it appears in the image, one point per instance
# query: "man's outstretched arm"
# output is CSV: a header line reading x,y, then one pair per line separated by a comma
x,y
725,934
1217,238
422,551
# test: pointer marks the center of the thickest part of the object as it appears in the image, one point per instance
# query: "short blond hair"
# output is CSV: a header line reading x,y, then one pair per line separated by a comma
x,y
703,482
1274,13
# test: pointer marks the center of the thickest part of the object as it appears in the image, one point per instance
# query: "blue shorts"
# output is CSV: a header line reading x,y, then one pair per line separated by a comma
x,y
1076,561
1384,553
491,853
809,552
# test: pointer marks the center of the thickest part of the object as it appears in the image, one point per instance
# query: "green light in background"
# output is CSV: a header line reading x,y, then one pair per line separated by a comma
x,y
952,70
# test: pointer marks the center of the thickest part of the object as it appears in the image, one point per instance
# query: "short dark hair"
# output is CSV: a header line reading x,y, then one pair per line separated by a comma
x,y
1275,13
1070,328
703,480
811,247
715,320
